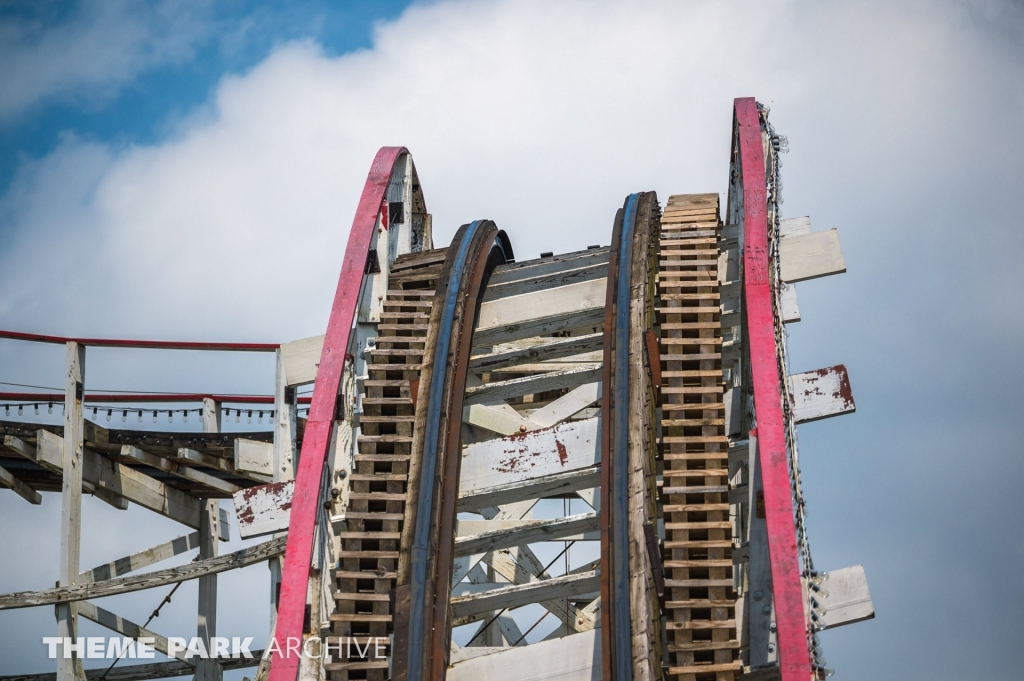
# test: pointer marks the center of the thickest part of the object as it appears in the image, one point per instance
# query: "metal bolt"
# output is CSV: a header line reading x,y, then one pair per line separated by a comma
x,y
771,647
766,609
522,429
758,595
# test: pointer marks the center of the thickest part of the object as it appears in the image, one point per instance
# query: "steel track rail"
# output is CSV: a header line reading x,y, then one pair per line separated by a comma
x,y
422,614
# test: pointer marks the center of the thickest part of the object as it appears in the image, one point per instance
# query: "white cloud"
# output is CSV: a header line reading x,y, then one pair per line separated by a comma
x,y
905,122
89,57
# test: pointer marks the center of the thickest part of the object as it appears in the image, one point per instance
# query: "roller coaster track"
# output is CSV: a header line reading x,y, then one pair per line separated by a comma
x,y
581,466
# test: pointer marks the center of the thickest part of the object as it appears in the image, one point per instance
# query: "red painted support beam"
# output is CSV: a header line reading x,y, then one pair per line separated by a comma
x,y
148,344
284,664
794,657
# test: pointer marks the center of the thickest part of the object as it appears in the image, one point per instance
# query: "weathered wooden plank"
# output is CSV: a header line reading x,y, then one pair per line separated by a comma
x,y
252,456
789,306
137,561
517,387
528,269
496,420
191,474
8,480
72,458
811,255
142,672
571,658
301,359
574,272
844,597
568,404
563,299
264,509
794,226
149,580
525,532
128,483
533,488
822,393
502,461
126,628
556,348
550,323
518,595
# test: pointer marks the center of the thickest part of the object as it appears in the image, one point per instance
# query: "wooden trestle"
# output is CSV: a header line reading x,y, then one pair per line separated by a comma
x,y
368,559
701,603
454,390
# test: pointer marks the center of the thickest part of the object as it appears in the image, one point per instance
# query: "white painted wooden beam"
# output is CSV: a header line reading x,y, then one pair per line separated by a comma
x,y
572,658
790,307
822,393
184,472
518,595
8,480
72,458
568,404
264,509
528,385
497,419
252,456
560,300
844,597
137,561
810,255
794,226
533,488
128,483
127,628
559,448
555,348
525,532
301,358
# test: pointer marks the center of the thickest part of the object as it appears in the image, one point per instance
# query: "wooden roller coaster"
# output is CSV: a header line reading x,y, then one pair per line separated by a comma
x,y
582,466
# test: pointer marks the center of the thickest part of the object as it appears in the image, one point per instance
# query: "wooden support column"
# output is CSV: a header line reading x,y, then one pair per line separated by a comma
x,y
70,669
208,669
284,462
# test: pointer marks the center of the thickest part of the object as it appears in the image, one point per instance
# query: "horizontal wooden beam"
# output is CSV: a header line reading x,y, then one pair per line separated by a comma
x,y
557,449
112,587
557,348
126,628
844,597
528,385
142,672
137,561
176,469
591,318
525,532
570,658
8,480
531,488
821,393
126,482
573,272
518,595
810,255
517,309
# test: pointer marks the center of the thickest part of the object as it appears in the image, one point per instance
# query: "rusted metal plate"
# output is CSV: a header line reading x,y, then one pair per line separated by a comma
x,y
264,509
822,393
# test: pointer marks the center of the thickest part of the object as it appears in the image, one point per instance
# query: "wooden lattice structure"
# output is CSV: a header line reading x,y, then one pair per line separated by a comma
x,y
456,393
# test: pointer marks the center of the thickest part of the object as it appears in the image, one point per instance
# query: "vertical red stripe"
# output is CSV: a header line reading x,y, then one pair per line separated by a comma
x,y
794,657
299,549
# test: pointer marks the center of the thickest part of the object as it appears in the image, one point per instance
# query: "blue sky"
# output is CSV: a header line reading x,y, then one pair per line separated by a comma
x,y
163,74
191,171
